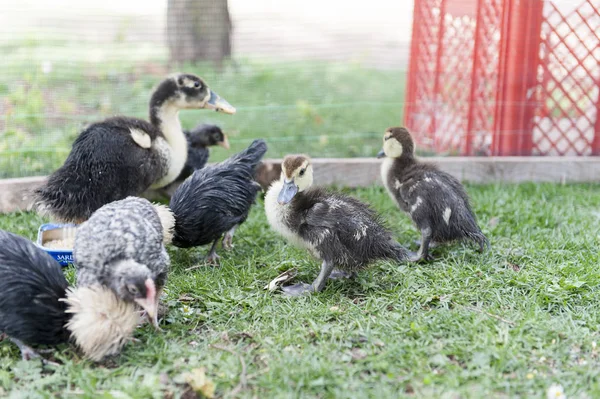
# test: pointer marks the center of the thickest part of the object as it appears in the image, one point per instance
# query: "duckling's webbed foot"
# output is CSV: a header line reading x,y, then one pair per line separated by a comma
x,y
432,244
337,274
228,239
299,289
212,257
317,285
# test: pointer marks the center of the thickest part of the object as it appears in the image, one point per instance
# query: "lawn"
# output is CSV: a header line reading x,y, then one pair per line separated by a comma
x,y
508,323
51,89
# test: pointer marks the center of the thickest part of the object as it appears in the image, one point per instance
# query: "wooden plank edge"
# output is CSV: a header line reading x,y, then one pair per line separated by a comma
x,y
17,193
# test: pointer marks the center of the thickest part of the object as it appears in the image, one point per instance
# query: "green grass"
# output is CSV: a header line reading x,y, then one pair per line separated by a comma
x,y
508,323
327,109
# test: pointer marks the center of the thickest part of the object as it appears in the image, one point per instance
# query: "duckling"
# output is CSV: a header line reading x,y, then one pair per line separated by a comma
x,y
37,306
121,247
121,156
341,231
215,200
436,201
199,139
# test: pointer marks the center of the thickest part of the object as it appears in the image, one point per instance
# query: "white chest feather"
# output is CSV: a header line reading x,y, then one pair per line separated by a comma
x,y
174,146
277,216
386,167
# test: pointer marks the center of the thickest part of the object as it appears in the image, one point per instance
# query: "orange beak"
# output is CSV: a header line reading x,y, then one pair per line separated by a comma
x,y
225,142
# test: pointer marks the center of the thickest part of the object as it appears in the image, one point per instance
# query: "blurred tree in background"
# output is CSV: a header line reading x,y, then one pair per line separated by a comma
x,y
198,30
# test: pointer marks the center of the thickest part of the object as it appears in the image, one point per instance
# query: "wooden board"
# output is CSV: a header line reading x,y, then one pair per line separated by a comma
x,y
15,194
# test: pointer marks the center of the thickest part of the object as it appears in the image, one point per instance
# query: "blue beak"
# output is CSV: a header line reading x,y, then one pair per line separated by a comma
x,y
287,192
381,154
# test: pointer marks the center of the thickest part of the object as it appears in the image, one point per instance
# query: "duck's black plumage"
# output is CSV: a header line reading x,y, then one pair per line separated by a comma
x,y
435,200
121,157
342,231
32,286
215,199
88,179
199,139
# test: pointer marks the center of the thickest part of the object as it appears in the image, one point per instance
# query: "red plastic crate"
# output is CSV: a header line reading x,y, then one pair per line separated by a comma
x,y
505,77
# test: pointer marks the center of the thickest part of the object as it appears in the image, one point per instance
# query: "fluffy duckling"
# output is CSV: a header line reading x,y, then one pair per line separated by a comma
x,y
121,156
121,247
435,200
215,200
38,308
339,230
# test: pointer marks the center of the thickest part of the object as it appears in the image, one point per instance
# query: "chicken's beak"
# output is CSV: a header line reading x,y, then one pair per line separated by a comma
x,y
150,303
219,104
381,154
225,142
287,192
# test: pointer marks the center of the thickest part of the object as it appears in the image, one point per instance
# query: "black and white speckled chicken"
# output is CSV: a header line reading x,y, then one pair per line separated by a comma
x,y
215,200
37,307
121,246
436,201
343,232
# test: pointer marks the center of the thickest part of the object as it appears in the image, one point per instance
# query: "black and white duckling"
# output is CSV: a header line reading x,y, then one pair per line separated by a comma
x,y
436,201
343,232
37,306
214,200
121,247
121,156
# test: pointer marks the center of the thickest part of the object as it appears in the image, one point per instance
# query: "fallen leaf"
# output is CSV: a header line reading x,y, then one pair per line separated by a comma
x,y
358,354
334,308
201,384
186,298
514,266
282,278
379,343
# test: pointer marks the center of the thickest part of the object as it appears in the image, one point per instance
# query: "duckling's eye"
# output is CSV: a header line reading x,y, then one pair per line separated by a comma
x,y
302,172
196,84
132,289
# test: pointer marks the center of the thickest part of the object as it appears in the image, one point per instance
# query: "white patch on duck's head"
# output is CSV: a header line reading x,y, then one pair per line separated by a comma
x,y
297,168
397,141
397,184
101,323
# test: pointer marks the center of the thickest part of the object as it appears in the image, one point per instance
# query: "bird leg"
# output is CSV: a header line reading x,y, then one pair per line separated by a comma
x,y
317,285
228,239
28,353
212,257
338,274
432,244
423,253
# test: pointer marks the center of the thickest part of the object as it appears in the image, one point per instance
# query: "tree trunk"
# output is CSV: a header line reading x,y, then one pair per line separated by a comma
x,y
198,30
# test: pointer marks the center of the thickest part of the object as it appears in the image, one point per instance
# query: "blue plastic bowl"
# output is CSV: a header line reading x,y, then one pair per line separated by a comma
x,y
50,232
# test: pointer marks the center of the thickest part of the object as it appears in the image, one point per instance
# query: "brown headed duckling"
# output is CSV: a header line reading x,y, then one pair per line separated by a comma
x,y
341,231
435,200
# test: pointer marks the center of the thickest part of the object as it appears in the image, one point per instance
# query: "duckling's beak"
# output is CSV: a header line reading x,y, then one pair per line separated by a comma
x,y
381,154
150,304
287,192
219,104
224,143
